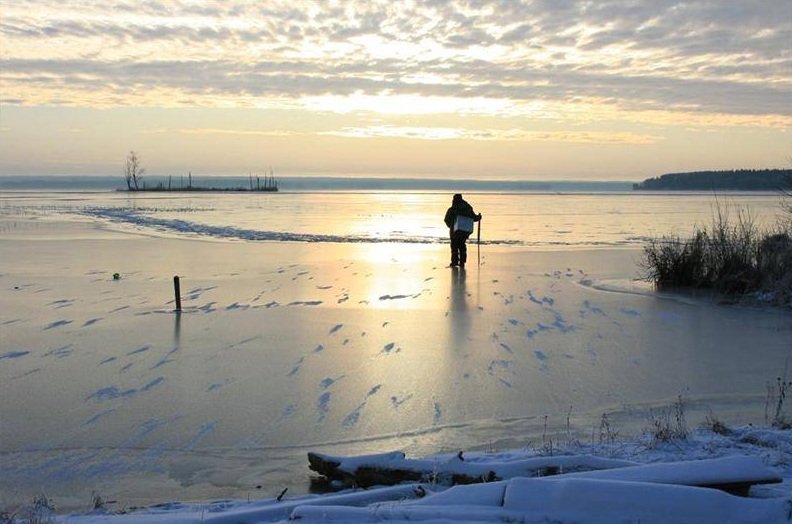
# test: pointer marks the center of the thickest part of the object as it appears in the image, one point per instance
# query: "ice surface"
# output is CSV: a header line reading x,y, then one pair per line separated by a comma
x,y
105,387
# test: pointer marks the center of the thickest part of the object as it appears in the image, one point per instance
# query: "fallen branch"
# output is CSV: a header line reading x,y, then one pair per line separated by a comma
x,y
394,468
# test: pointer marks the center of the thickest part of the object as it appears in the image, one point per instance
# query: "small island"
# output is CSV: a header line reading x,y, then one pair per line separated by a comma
x,y
133,176
735,180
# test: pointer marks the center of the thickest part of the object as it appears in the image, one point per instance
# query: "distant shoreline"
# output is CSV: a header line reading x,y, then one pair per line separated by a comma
x,y
324,183
734,180
675,182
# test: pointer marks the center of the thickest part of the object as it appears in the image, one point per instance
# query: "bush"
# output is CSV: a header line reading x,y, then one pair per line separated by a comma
x,y
672,262
730,257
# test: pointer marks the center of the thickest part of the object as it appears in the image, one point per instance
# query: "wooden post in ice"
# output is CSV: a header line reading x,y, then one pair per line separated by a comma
x,y
177,292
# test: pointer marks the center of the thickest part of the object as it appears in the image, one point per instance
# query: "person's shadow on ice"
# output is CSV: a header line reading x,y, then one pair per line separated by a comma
x,y
459,317
458,291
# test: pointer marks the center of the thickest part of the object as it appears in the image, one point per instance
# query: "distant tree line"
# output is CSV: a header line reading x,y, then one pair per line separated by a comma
x,y
738,179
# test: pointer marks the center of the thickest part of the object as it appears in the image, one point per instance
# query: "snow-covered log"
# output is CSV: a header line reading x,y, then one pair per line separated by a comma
x,y
393,468
269,511
560,499
735,475
402,513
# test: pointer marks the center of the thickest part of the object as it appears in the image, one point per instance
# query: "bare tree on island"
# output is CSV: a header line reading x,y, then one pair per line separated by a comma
x,y
133,171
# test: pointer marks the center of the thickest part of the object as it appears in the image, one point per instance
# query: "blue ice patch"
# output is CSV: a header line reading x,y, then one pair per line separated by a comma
x,y
57,324
323,405
14,354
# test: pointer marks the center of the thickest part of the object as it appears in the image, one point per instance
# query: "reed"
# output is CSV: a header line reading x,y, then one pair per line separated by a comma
x,y
731,256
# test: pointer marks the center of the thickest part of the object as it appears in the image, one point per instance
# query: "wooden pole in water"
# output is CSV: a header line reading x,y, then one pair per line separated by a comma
x,y
177,292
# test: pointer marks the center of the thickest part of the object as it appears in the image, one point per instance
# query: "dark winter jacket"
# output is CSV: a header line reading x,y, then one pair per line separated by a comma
x,y
459,208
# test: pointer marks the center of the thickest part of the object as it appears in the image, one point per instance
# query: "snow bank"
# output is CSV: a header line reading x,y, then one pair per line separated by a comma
x,y
706,472
560,500
652,493
235,512
607,501
661,492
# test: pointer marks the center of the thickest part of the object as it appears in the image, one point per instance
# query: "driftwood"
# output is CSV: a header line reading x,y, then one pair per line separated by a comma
x,y
365,476
394,468
734,475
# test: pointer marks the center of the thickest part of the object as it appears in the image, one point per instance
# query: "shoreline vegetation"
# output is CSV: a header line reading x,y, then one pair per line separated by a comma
x,y
732,256
735,180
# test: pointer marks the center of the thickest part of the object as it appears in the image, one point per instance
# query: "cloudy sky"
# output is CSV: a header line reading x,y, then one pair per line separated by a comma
x,y
521,89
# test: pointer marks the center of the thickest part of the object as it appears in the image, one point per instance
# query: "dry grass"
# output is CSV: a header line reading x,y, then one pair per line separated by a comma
x,y
714,424
607,434
731,256
39,511
668,424
775,412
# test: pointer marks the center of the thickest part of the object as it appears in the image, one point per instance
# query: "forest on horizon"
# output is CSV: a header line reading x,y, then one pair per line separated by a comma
x,y
738,179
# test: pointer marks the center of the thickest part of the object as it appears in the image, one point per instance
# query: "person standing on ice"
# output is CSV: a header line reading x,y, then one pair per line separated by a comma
x,y
460,218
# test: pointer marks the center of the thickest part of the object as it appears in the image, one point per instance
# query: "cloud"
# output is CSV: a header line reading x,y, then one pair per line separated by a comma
x,y
449,133
237,132
709,56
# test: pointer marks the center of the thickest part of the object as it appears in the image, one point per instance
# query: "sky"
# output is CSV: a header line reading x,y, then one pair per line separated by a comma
x,y
509,89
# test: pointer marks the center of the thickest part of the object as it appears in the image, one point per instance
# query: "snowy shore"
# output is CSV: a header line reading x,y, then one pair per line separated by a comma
x,y
661,484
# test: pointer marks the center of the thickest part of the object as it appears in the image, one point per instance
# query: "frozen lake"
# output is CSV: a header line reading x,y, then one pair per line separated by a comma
x,y
341,342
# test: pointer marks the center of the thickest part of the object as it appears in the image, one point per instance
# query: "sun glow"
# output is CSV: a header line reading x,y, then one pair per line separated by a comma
x,y
394,104
387,288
